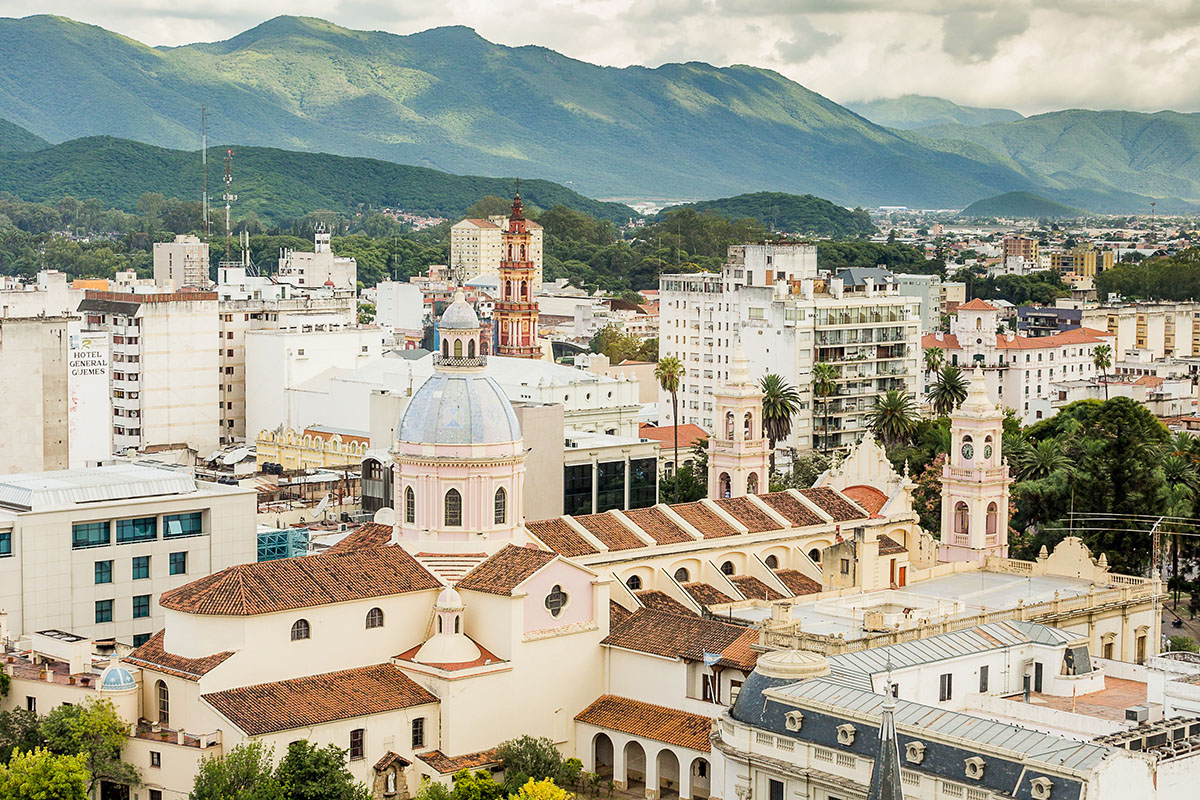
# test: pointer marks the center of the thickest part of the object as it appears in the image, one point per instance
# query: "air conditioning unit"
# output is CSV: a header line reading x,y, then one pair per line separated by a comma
x,y
1137,713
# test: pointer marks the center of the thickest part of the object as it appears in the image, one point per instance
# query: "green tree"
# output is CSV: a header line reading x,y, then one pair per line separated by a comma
x,y
476,785
1042,460
489,206
42,775
669,374
934,358
244,773
541,790
19,730
948,391
94,731
824,384
528,759
366,313
894,417
1182,644
1102,358
780,403
308,772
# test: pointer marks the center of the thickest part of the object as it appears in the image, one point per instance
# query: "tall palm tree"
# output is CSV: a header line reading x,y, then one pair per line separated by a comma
x,y
894,416
669,374
780,403
934,358
1102,358
1043,459
824,382
948,391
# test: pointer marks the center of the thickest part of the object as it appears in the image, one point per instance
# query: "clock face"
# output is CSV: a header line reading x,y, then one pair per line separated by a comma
x,y
968,451
987,451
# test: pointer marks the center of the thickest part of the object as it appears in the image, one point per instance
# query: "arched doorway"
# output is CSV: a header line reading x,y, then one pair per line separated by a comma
x,y
962,518
668,774
635,767
724,485
752,483
602,756
701,779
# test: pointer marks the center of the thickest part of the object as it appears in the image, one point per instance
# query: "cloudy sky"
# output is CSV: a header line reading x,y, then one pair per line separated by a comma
x,y
1031,55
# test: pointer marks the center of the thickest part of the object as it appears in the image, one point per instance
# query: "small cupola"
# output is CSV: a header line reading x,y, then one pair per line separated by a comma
x,y
449,643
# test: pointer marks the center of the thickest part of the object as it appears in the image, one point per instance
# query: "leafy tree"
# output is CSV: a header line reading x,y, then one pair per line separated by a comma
x,y
948,391
366,313
1102,358
476,785
95,732
620,346
824,384
1042,460
5,683
311,773
669,374
894,416
244,773
19,730
934,358
780,403
1182,644
527,759
42,775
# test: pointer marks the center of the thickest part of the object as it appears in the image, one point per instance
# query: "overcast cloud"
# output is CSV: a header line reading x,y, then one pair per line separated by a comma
x,y
1030,55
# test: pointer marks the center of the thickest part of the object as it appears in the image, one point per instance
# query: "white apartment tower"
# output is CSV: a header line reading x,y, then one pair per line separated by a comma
x,y
475,247
183,262
319,269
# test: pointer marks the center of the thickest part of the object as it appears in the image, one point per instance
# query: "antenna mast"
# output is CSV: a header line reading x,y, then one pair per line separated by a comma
x,y
204,171
228,197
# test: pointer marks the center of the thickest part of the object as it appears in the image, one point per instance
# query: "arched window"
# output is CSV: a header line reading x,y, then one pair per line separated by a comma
x,y
457,622
501,509
458,348
727,568
748,426
524,286
164,703
445,348
991,519
410,505
772,561
752,483
979,323
724,485
375,618
682,575
815,555
470,348
962,518
729,425
301,630
634,583
453,509
439,624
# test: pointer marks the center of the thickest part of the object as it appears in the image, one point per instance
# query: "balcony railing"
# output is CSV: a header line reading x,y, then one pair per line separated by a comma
x,y
440,360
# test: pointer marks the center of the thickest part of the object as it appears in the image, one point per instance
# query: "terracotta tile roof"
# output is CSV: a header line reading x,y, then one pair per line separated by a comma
x,y
649,721
448,765
745,512
705,593
832,504
754,589
889,546
505,570
674,636
741,654
792,509
661,601
304,702
947,341
390,758
560,537
1062,339
797,582
617,614
606,528
977,305
868,497
704,520
328,435
302,582
658,525
365,536
151,655
485,657
688,436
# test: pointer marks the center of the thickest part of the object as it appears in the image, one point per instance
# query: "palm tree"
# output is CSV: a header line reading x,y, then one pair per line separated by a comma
x,y
780,403
669,374
824,382
934,358
1102,358
894,416
1043,459
948,391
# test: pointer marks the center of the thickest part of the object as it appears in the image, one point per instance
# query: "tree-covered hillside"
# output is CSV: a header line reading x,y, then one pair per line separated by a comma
x,y
803,215
15,139
918,111
1020,205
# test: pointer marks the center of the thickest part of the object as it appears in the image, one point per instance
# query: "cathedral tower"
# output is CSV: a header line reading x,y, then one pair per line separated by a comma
x,y
737,452
516,312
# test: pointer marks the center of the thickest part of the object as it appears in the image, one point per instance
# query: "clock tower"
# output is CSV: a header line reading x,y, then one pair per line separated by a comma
x,y
975,480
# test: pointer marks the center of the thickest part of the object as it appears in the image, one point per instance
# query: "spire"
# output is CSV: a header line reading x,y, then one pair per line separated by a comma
x,y
885,772
740,373
977,402
517,211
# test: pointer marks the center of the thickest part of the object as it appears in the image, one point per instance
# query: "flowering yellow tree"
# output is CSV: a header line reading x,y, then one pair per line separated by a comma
x,y
541,790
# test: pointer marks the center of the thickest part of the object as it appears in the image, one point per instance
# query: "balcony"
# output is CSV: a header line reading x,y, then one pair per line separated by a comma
x,y
153,732
440,360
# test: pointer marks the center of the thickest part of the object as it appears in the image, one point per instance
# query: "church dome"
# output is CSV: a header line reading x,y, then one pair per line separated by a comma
x,y
459,408
459,316
116,678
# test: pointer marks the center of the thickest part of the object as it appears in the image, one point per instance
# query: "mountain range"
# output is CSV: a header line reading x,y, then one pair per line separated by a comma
x,y
912,111
450,100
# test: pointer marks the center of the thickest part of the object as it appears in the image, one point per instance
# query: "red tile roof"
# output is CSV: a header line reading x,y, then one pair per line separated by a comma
x,y
661,601
371,534
868,497
504,571
797,582
889,546
617,614
688,436
151,655
648,721
977,305
946,341
390,758
560,537
448,765
791,509
754,589
318,699
686,637
703,519
754,518
705,593
608,530
485,657
1063,339
832,504
302,582
658,525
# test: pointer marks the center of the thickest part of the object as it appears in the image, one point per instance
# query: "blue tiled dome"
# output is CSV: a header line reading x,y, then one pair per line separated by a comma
x,y
454,408
116,679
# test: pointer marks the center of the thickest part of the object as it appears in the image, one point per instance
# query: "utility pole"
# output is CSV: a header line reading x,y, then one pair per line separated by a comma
x,y
204,171
228,197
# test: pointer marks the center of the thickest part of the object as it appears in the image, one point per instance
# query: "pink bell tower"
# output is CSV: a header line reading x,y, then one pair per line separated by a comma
x,y
737,451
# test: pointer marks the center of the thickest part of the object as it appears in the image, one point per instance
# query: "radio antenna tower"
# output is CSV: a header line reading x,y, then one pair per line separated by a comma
x,y
228,197
204,171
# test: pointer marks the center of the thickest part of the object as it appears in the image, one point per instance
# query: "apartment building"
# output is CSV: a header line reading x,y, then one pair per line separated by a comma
x,y
1083,261
183,262
475,247
50,295
1020,247
33,360
89,551
927,289
165,367
318,269
769,299
1162,329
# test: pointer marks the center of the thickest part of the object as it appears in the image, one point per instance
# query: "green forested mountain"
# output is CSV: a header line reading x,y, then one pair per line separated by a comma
x,y
794,214
448,99
275,184
917,111
15,139
1020,205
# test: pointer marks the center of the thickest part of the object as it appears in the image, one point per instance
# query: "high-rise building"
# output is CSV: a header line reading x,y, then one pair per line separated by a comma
x,y
1022,247
516,312
33,427
319,269
475,247
183,262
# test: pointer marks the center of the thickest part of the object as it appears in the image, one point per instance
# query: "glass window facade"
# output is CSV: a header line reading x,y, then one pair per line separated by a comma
x,y
142,529
178,563
643,482
577,489
141,568
190,524
140,639
141,606
91,534
5,543
610,485
104,611
103,572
